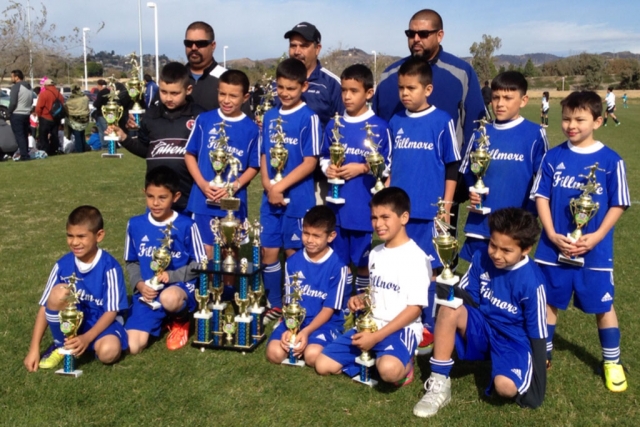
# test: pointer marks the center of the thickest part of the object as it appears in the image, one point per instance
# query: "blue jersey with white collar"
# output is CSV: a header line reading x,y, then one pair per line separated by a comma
x,y
355,213
243,143
516,149
558,180
423,143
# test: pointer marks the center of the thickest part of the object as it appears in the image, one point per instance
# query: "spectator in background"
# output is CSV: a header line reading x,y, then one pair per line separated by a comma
x,y
94,139
486,97
33,122
20,102
101,99
8,144
150,90
78,117
48,131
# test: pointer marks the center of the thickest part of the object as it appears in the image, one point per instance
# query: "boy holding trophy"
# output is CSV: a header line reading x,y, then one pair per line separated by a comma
x,y
585,178
171,284
101,291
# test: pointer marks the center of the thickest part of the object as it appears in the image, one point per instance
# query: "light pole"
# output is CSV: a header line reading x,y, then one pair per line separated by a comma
x,y
84,50
153,6
224,56
140,37
375,68
30,55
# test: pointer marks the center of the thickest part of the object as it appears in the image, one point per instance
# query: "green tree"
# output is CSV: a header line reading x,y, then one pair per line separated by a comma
x,y
483,56
593,71
94,69
530,69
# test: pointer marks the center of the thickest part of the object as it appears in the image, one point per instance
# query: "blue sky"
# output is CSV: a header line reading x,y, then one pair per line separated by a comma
x,y
255,28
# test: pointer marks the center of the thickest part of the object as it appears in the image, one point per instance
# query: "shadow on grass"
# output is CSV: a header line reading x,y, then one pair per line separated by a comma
x,y
561,344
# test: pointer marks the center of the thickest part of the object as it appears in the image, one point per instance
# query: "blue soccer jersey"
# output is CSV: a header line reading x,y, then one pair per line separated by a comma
x,y
516,149
323,284
302,130
423,144
243,143
559,179
355,213
144,234
101,286
512,300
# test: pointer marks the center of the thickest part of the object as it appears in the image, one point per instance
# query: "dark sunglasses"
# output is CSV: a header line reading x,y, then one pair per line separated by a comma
x,y
199,43
422,33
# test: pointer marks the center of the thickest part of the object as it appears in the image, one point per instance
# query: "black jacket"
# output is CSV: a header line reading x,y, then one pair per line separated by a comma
x,y
205,89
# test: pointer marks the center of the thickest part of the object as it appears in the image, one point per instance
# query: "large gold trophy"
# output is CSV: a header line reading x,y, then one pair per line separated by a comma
x,y
160,260
374,158
293,314
366,323
219,156
583,209
136,89
279,154
446,247
70,321
112,113
480,159
337,154
266,101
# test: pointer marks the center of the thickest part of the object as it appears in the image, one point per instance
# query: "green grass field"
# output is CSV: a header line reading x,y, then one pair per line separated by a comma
x,y
187,387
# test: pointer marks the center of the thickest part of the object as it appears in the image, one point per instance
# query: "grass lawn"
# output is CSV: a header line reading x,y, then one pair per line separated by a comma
x,y
187,387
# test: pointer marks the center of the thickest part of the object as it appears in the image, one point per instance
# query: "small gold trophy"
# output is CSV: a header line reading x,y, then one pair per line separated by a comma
x,y
337,153
582,210
112,112
279,153
293,314
160,260
203,315
229,325
219,156
366,323
136,90
480,159
447,248
374,158
70,321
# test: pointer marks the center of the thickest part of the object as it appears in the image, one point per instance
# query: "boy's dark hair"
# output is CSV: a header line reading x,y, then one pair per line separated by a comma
x,y
417,66
163,176
88,216
546,95
175,72
610,88
583,100
18,74
360,73
147,78
511,81
516,223
236,78
292,69
394,198
101,82
94,129
320,217
199,25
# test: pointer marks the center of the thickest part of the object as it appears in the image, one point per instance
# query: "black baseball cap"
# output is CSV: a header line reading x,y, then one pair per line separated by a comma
x,y
306,30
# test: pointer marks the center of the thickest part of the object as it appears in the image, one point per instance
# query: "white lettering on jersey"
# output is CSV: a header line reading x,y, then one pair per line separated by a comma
x,y
377,282
213,143
497,155
404,143
569,181
307,291
84,296
487,293
356,151
166,148
147,251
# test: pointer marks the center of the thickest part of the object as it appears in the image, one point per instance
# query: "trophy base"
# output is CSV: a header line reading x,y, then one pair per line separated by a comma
x,y
338,201
299,362
111,138
481,211
374,190
577,261
156,288
213,203
369,364
258,310
231,347
335,181
112,156
153,305
450,282
483,190
273,181
454,303
74,374
370,382
206,316
216,184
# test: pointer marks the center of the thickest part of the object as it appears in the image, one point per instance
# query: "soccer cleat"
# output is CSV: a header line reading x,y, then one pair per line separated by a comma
x,y
271,315
437,395
614,376
406,380
426,345
618,124
50,358
178,334
548,364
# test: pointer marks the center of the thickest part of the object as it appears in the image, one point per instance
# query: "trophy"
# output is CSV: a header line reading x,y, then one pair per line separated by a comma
x,y
366,323
203,315
229,325
266,100
279,153
447,248
480,159
337,154
219,157
112,112
582,210
70,321
136,90
243,299
160,260
374,158
230,232
293,314
255,296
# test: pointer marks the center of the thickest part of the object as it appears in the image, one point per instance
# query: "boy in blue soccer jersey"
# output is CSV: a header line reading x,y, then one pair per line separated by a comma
x,y
281,221
102,297
425,161
323,278
516,147
242,134
354,232
144,233
503,318
399,272
563,175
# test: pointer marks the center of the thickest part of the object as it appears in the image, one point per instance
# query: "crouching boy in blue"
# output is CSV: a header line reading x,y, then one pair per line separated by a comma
x,y
503,318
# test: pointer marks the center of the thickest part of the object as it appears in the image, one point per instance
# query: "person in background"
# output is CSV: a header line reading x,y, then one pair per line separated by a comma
x,y
150,90
78,117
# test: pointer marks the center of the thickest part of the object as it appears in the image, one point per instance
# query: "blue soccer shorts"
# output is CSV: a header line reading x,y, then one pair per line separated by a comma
x,y
324,335
114,328
471,246
280,231
352,246
422,232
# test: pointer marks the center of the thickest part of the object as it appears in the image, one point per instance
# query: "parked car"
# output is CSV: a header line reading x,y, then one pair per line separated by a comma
x,y
4,104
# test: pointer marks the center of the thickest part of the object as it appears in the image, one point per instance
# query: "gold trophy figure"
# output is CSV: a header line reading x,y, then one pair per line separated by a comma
x,y
136,89
228,325
447,248
219,156
160,260
480,159
266,100
70,321
112,113
293,314
374,158
583,209
337,154
366,323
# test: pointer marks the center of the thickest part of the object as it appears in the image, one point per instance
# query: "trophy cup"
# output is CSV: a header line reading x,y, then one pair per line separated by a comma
x,y
366,323
374,158
279,153
447,248
231,233
257,290
112,112
203,315
293,314
219,157
70,321
480,159
136,90
337,154
229,325
582,210
160,260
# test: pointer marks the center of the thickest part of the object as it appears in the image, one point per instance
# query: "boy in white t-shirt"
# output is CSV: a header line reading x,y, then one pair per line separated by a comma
x,y
610,99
